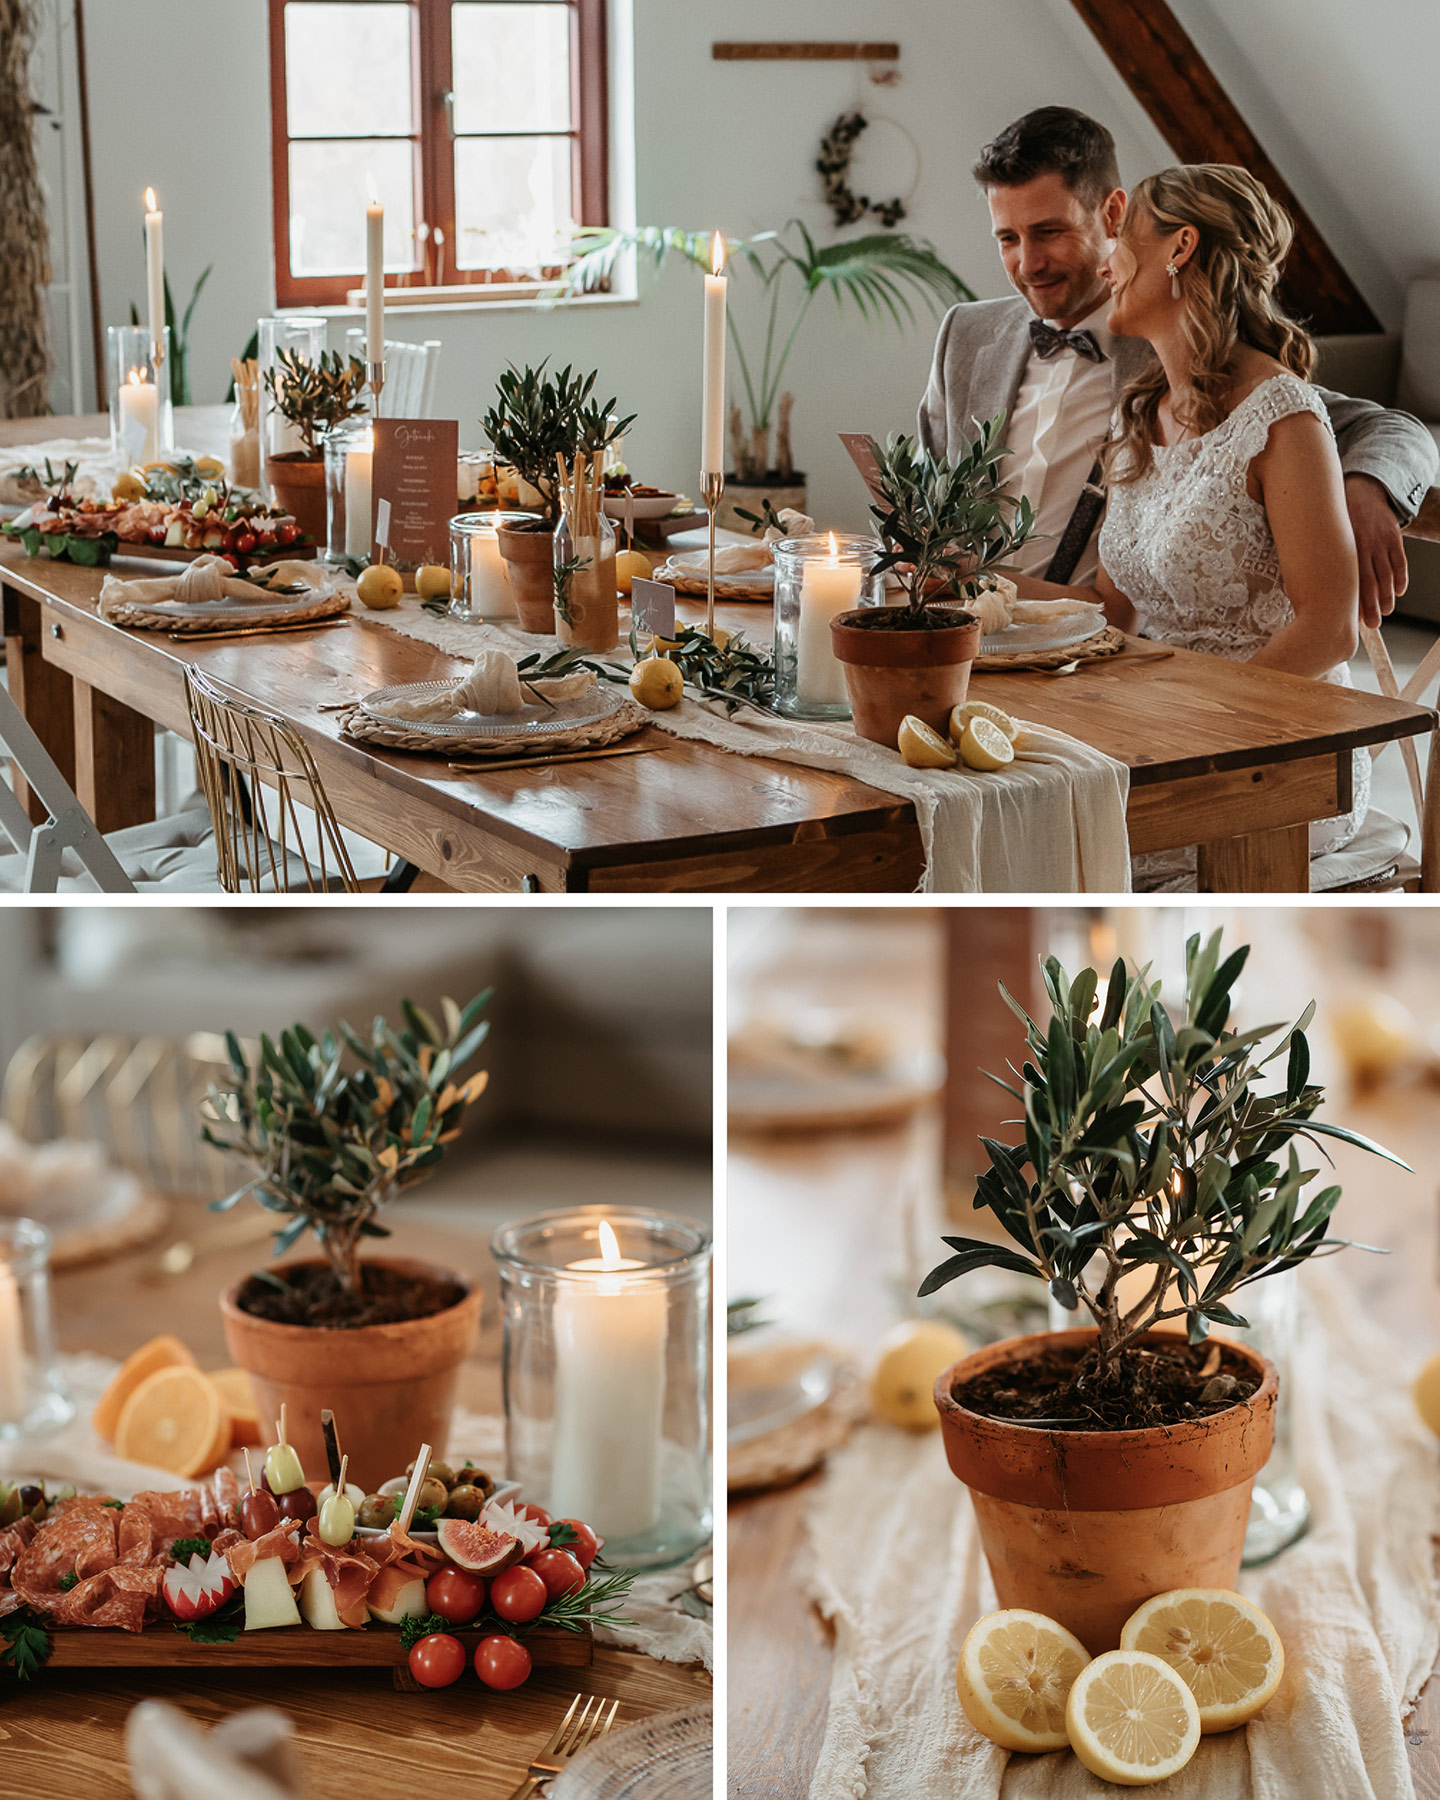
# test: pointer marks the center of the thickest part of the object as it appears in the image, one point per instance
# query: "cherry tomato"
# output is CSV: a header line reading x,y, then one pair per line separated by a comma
x,y
244,542
233,562
586,1546
559,1571
288,532
519,1595
501,1662
536,1514
439,1659
455,1594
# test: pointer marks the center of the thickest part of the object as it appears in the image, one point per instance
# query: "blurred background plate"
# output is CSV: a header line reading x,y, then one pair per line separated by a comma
x,y
668,1756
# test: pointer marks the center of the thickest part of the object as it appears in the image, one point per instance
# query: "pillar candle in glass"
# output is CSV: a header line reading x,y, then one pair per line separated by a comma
x,y
479,584
606,1374
816,579
140,414
33,1397
359,509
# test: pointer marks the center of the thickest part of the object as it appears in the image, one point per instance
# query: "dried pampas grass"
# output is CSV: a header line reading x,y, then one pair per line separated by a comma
x,y
24,233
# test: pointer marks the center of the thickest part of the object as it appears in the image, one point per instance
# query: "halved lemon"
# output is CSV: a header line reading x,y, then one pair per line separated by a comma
x,y
1131,1718
922,746
1228,1652
1015,1671
961,715
984,746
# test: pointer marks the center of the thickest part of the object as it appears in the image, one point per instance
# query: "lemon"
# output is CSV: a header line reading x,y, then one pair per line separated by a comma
x,y
1427,1393
983,745
432,581
960,717
1131,1718
380,587
209,465
656,683
922,747
129,485
1227,1651
628,565
902,1387
1375,1034
1014,1676
660,646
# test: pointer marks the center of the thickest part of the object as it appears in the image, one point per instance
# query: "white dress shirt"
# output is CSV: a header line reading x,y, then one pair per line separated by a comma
x,y
1061,418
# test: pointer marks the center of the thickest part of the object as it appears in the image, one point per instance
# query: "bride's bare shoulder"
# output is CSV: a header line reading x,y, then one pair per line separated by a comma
x,y
1253,369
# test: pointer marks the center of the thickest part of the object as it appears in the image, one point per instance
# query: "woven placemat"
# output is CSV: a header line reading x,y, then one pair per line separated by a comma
x,y
356,723
141,618
783,1456
1108,642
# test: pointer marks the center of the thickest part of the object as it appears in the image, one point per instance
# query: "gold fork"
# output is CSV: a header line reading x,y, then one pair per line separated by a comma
x,y
572,1734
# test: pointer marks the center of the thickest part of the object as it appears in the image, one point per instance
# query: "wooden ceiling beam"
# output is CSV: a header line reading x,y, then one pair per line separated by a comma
x,y
1172,81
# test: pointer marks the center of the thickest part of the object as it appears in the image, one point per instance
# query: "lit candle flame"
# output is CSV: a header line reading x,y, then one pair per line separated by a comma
x,y
151,204
717,254
834,549
610,1257
136,378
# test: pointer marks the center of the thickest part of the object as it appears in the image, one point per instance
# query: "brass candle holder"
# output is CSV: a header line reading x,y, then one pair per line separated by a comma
x,y
712,486
375,374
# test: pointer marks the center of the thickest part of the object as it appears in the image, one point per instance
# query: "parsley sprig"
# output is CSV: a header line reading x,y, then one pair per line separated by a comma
x,y
184,1548
222,1626
28,1644
413,1628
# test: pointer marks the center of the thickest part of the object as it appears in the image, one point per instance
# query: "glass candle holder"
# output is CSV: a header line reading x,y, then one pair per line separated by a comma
x,y
607,1375
33,1397
142,424
479,584
304,336
349,515
815,579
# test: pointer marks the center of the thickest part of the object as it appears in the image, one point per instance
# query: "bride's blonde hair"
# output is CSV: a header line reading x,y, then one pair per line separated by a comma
x,y
1228,291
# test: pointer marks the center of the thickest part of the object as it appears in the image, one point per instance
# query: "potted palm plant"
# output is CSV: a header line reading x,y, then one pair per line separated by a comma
x,y
878,273
313,397
332,1130
1156,1180
538,422
943,523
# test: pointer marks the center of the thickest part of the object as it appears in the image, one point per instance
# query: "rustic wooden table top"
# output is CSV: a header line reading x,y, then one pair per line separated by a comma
x,y
63,1735
823,1224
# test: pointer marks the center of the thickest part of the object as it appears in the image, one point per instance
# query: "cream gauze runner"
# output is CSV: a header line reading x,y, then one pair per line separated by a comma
x,y
898,1568
1053,822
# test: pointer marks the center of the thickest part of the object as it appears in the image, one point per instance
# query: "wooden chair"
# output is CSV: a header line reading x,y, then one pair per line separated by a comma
x,y
1377,861
256,773
409,389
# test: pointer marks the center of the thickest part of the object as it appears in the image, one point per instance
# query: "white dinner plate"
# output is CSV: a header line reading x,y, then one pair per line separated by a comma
x,y
648,506
232,612
536,719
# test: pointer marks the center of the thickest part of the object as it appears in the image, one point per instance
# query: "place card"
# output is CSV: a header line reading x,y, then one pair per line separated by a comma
x,y
652,608
414,472
861,448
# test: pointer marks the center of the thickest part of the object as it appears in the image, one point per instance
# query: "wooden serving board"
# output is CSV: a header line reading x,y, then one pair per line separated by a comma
x,y
177,553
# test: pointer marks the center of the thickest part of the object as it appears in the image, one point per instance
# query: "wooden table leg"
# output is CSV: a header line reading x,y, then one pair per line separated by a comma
x,y
43,693
1266,862
114,760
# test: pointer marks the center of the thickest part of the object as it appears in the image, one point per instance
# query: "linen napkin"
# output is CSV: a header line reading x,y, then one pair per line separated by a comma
x,y
1353,1602
493,687
211,578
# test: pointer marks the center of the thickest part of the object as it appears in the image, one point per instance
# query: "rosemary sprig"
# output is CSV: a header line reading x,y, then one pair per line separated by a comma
x,y
565,572
590,1605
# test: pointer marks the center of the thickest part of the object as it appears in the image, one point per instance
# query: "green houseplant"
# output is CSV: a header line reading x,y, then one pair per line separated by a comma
x,y
537,419
313,397
1159,1176
942,522
879,274
331,1131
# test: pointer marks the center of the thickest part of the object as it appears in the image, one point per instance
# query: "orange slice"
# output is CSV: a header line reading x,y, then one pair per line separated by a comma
x,y
238,1398
175,1420
163,1352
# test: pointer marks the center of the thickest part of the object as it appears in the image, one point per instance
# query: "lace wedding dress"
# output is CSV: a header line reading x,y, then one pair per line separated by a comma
x,y
1193,553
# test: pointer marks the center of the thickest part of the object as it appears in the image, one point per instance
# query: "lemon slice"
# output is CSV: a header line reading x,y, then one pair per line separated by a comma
x,y
1013,1676
960,717
1131,1718
1226,1649
1427,1393
983,745
922,746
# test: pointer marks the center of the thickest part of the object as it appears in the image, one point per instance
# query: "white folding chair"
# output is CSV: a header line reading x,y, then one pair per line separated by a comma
x,y
409,388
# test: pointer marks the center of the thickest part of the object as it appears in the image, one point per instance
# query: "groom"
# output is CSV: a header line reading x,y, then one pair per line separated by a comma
x,y
1047,361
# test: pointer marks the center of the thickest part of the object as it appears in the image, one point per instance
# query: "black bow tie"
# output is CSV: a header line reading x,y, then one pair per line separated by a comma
x,y
1049,340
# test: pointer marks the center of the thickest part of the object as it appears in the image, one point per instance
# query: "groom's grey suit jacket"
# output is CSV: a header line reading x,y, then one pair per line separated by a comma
x,y
980,358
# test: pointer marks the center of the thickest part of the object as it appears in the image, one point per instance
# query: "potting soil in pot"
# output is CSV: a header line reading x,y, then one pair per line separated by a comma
x,y
1150,1387
312,1296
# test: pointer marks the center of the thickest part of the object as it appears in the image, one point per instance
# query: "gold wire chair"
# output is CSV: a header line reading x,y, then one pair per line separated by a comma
x,y
256,773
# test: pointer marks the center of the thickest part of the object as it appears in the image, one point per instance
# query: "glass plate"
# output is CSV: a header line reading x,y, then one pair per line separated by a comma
x,y
797,1383
534,720
1030,639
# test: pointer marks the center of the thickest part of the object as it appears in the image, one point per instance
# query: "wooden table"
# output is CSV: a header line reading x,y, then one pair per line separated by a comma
x,y
64,1734
1238,759
819,1222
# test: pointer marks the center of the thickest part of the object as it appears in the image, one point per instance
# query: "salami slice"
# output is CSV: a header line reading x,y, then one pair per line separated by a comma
x,y
59,1548
187,1512
13,1540
135,1539
123,1597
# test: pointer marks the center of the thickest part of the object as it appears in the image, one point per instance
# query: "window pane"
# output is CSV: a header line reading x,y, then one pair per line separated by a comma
x,y
511,67
512,202
330,187
347,69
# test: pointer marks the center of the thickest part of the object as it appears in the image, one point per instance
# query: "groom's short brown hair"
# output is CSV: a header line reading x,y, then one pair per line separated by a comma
x,y
1053,140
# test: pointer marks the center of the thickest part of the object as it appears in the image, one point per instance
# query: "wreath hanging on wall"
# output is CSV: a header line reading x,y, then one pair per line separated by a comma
x,y
837,148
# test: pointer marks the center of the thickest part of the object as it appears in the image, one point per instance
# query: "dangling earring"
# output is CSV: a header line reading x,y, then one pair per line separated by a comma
x,y
1174,275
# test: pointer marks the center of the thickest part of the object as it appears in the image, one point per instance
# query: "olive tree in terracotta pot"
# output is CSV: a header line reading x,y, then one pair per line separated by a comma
x,y
537,419
943,524
333,1130
313,397
1156,1181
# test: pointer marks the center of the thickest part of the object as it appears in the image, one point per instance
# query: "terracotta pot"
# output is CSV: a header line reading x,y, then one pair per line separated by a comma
x,y
893,672
298,485
530,565
390,1387
1084,1525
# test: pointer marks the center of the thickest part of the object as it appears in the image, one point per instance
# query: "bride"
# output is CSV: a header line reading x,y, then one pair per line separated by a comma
x,y
1226,530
